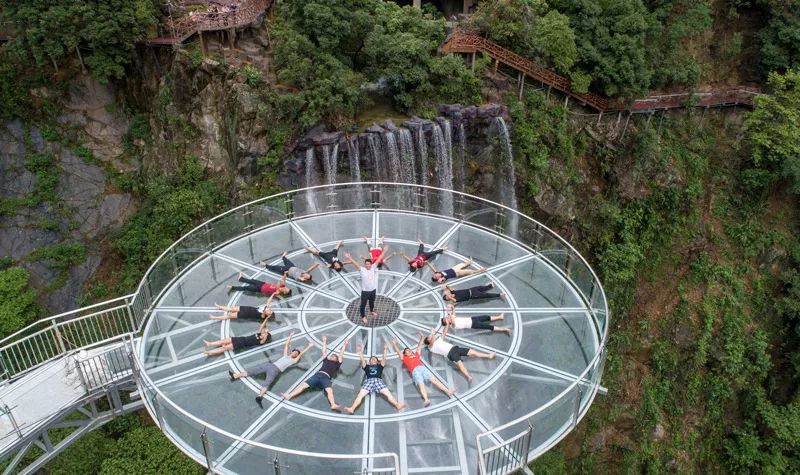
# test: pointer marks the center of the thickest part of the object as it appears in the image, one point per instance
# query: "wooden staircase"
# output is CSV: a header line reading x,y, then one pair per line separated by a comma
x,y
466,43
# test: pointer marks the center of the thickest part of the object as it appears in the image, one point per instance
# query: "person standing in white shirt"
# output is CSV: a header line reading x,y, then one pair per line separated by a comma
x,y
369,285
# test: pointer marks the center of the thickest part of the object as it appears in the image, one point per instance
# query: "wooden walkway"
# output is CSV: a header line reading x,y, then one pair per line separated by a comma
x,y
246,13
464,43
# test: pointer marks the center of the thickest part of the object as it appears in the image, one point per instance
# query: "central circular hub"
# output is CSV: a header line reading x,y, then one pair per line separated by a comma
x,y
387,311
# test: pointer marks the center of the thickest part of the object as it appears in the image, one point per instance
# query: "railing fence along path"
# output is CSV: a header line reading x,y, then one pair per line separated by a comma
x,y
467,43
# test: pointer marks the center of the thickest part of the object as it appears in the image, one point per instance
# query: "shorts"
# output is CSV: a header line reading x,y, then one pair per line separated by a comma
x,y
456,353
373,385
319,381
421,374
481,323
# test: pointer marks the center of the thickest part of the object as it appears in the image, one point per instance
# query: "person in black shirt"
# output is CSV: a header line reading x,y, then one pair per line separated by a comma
x,y
322,379
236,343
373,381
473,293
245,312
330,257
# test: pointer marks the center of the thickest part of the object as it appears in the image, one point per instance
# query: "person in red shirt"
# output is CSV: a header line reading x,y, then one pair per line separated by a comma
x,y
422,257
256,286
419,373
379,254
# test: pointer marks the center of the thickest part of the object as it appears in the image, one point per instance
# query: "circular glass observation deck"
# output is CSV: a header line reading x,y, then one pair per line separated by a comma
x,y
545,373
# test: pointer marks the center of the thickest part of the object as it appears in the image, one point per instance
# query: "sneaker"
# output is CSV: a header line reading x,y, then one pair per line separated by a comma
x,y
230,373
258,401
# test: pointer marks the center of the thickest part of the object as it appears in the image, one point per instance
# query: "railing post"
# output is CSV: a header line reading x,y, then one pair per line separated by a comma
x,y
527,446
207,451
577,408
7,411
59,338
129,311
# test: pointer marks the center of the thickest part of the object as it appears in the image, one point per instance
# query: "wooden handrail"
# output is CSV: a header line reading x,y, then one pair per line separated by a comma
x,y
467,43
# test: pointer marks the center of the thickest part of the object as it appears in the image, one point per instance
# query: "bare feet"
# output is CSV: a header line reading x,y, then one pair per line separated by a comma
x,y
336,407
426,403
502,295
469,380
507,331
229,287
399,407
207,343
450,392
492,355
349,410
284,254
501,317
373,313
364,320
286,396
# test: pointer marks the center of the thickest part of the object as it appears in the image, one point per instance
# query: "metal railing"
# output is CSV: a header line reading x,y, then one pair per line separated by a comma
x,y
506,457
105,369
129,315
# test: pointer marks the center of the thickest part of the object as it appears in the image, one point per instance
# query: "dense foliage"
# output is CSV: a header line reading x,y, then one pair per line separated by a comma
x,y
171,206
781,36
331,51
774,129
17,300
49,32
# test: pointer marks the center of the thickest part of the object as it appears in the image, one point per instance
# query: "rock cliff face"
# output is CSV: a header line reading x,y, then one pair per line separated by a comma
x,y
82,209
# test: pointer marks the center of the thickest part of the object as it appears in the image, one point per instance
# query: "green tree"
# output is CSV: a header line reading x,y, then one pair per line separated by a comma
x,y
17,301
50,31
510,23
555,40
774,128
612,39
780,39
145,450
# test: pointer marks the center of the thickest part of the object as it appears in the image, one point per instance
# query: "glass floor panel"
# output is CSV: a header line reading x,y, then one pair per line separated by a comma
x,y
552,339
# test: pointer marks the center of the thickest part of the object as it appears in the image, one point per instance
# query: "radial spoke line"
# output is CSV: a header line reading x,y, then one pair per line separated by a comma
x,y
549,369
180,330
262,270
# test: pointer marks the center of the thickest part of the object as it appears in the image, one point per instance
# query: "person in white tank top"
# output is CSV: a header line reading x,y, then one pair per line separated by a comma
x,y
437,345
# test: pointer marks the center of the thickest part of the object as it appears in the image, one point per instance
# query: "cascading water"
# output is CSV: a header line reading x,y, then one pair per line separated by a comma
x,y
422,153
311,173
442,150
392,162
408,165
376,157
461,153
333,164
326,162
508,183
355,159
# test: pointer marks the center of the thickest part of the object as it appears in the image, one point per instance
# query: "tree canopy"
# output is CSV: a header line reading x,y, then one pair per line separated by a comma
x,y
17,300
48,32
774,127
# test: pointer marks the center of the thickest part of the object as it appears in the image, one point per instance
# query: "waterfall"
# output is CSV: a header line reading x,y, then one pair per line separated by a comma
x,y
422,151
333,161
461,153
326,162
376,156
408,164
355,159
311,165
393,157
442,150
507,191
